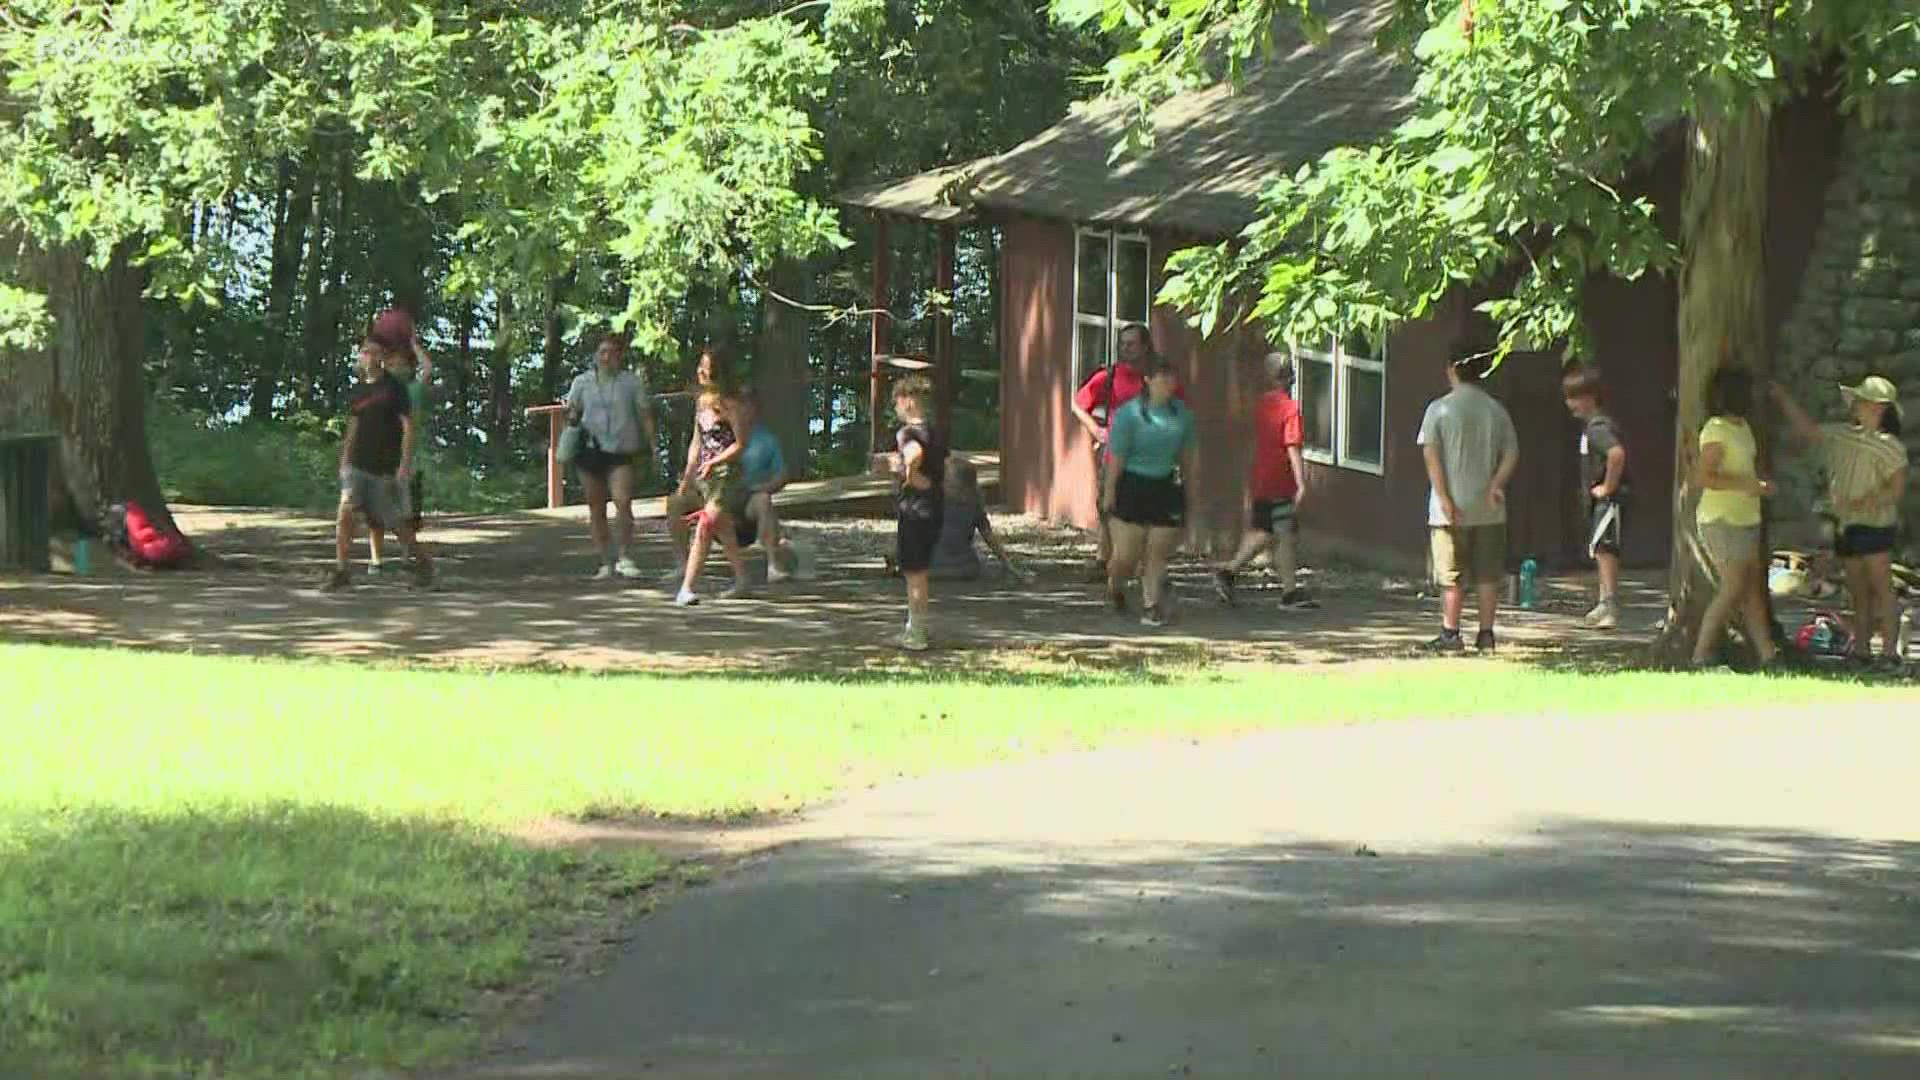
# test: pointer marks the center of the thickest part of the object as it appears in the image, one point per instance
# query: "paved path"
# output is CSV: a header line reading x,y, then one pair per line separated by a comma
x,y
1720,896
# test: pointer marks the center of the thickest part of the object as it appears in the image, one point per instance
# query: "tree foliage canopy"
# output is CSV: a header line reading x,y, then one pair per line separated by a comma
x,y
1527,117
667,150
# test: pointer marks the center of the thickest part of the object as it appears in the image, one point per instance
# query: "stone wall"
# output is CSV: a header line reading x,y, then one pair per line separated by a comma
x,y
1858,311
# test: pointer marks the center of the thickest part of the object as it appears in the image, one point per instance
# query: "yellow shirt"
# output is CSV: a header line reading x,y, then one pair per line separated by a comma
x,y
1720,507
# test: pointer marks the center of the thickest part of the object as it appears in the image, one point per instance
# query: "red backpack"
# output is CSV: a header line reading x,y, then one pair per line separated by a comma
x,y
152,546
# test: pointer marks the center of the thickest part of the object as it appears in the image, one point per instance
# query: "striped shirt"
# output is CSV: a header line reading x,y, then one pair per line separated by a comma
x,y
1860,464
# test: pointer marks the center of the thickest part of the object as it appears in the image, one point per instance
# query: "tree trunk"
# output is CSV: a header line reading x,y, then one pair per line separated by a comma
x,y
500,383
291,213
463,371
87,386
552,346
780,364
1722,323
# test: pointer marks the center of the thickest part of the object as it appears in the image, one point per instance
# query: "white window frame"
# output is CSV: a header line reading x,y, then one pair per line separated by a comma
x,y
1112,320
1344,364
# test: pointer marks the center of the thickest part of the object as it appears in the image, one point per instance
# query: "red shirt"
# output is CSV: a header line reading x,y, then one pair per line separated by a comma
x,y
1128,383
1276,426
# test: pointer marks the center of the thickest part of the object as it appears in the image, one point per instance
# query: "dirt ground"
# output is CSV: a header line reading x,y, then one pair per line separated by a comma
x,y
514,593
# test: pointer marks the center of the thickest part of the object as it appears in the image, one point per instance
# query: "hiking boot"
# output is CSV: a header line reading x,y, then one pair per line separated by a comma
x,y
1449,641
373,569
1604,616
1154,615
605,573
337,580
1223,586
1297,599
914,639
739,590
1483,641
627,568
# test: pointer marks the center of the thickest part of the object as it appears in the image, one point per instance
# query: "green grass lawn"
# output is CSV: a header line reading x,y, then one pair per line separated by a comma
x,y
234,868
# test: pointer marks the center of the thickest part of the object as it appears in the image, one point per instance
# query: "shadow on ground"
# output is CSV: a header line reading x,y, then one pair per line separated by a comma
x,y
514,595
1587,948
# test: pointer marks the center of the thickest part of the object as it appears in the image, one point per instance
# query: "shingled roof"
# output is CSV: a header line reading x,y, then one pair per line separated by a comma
x,y
1214,148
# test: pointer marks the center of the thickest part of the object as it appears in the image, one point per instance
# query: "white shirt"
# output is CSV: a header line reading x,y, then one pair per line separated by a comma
x,y
611,408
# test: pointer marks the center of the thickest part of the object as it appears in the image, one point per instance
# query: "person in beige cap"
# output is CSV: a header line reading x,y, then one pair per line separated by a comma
x,y
1867,468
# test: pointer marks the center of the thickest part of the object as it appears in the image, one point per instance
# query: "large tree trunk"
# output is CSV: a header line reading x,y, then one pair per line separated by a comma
x,y
1722,323
86,387
781,372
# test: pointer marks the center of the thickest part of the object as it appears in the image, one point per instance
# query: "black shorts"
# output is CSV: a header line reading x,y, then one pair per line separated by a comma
x,y
597,463
745,530
1272,516
1604,528
1155,502
917,534
1856,541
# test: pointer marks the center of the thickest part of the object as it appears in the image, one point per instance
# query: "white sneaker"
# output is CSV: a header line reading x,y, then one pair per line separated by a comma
x,y
627,568
605,573
686,598
1604,617
914,639
775,575
373,569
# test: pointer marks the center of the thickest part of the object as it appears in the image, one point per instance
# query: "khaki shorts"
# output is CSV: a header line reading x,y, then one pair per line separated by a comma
x,y
1468,556
721,490
1730,544
382,500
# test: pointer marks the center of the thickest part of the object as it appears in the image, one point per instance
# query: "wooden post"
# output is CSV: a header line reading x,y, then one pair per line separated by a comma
x,y
876,382
556,477
944,360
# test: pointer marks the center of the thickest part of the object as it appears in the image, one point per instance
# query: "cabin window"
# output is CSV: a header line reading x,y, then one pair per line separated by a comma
x,y
1343,402
1112,287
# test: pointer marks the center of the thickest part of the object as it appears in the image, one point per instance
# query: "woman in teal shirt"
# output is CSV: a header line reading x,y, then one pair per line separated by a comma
x,y
1152,439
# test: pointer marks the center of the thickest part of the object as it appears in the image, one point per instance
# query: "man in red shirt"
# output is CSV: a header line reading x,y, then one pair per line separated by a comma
x,y
1279,487
1097,400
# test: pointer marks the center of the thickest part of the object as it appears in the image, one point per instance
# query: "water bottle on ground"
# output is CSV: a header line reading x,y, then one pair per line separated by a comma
x,y
1529,587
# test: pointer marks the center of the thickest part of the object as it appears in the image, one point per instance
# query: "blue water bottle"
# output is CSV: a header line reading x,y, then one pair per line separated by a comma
x,y
82,557
1529,570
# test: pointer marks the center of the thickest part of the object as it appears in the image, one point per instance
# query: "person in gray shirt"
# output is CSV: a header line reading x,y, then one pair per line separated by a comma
x,y
1471,450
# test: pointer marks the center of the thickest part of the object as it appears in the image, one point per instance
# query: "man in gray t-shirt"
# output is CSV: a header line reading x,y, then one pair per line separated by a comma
x,y
1470,447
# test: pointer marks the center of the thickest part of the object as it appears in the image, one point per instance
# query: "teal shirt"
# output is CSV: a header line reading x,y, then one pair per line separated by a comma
x,y
1151,443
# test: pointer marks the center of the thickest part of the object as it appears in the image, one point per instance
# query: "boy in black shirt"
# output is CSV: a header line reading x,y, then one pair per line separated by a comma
x,y
922,501
1603,472
376,460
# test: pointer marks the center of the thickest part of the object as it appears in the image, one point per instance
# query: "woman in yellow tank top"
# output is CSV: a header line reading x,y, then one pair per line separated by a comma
x,y
1729,517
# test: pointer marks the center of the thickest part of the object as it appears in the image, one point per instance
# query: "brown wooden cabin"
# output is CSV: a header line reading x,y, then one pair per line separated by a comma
x,y
1084,247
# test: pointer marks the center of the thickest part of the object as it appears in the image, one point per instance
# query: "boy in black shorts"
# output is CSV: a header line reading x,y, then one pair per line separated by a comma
x,y
1603,473
923,471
